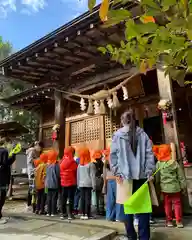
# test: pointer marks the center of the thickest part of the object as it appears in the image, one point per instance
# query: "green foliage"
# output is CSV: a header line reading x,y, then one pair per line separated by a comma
x,y
162,34
5,49
10,88
91,4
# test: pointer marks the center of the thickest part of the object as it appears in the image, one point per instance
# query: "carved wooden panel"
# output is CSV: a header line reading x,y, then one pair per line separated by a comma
x,y
47,137
92,129
111,126
77,131
85,130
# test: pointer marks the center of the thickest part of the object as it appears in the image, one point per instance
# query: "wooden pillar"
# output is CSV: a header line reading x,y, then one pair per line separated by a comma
x,y
140,114
60,105
102,131
67,134
166,92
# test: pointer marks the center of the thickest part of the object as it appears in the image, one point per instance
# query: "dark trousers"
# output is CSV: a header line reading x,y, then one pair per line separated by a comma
x,y
144,219
68,193
2,200
29,198
99,201
77,199
86,200
41,199
52,196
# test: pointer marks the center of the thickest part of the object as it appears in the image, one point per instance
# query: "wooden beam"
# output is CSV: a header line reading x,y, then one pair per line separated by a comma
x,y
33,62
113,75
105,36
69,53
75,51
66,73
23,77
60,111
57,58
30,69
66,58
102,131
67,134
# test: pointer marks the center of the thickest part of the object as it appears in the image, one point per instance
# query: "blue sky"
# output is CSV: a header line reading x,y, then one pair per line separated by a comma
x,y
24,21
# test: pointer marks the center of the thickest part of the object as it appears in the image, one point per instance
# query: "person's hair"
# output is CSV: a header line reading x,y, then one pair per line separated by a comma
x,y
31,145
128,118
106,164
39,143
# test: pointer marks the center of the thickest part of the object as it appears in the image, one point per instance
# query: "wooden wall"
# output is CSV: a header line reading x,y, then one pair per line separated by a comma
x,y
94,131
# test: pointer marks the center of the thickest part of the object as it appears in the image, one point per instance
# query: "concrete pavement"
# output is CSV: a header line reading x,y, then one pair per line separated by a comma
x,y
22,225
37,229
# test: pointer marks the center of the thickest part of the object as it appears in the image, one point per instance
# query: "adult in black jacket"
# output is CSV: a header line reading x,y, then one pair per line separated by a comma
x,y
5,175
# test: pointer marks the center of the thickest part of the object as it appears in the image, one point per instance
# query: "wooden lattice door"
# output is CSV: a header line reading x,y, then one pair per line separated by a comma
x,y
86,132
111,125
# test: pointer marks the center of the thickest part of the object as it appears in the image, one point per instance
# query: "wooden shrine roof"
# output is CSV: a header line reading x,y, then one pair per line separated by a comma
x,y
32,99
12,129
67,55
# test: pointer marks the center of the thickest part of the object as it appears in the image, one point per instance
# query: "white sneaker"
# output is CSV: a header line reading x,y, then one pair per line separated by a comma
x,y
136,222
3,221
52,215
29,209
122,238
82,217
48,215
86,217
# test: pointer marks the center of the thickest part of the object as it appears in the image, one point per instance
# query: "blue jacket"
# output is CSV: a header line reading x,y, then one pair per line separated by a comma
x,y
122,160
52,179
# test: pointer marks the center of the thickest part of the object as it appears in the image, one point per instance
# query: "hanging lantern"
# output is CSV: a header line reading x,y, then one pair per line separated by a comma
x,y
82,104
90,109
110,102
96,107
116,102
102,108
125,93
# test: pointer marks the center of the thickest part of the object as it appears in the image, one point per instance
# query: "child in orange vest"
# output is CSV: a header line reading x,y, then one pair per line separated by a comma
x,y
40,173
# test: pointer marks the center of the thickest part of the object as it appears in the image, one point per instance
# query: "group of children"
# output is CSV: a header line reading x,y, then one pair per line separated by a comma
x,y
73,180
60,185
